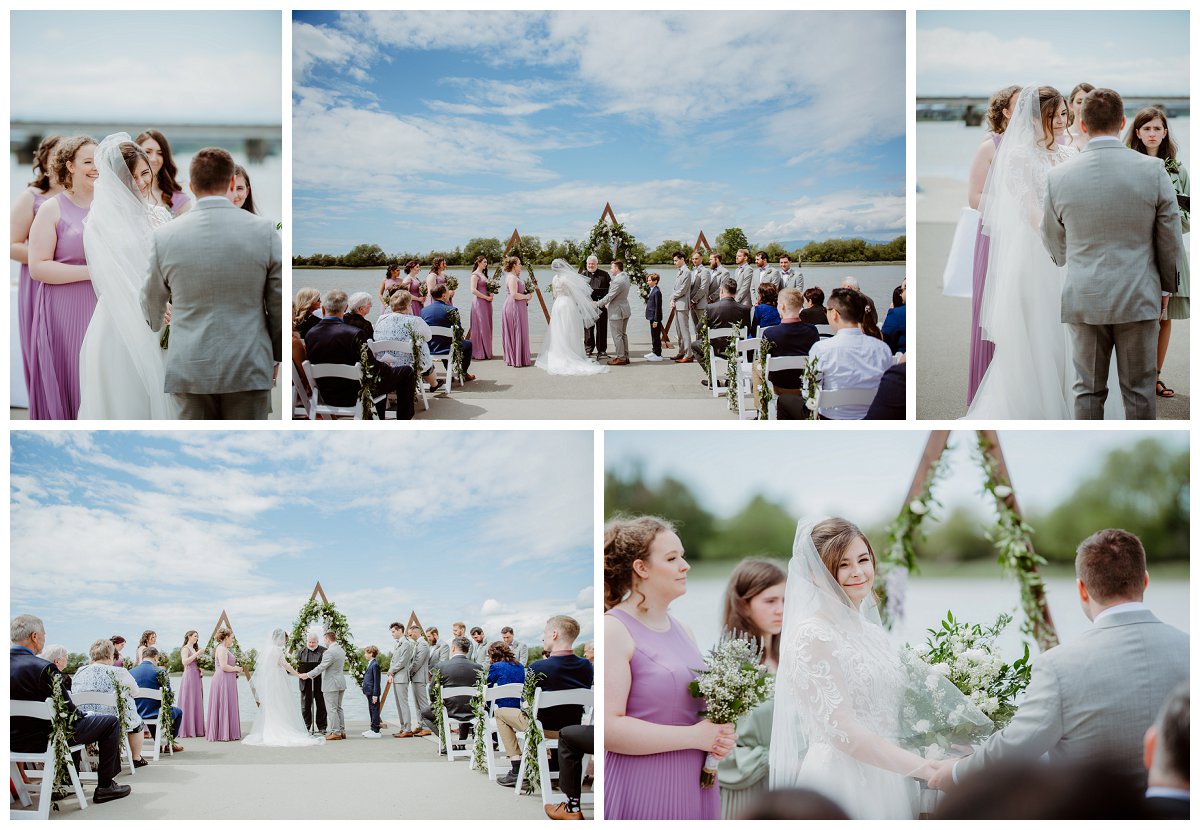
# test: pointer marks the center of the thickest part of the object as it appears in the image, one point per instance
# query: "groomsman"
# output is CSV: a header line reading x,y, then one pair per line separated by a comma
x,y
438,651
681,301
478,647
520,650
719,273
307,659
597,336
418,676
765,273
791,279
745,278
616,302
398,671
699,299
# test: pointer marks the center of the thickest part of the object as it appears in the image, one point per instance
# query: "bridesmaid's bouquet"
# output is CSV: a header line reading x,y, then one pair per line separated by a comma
x,y
733,681
493,285
451,283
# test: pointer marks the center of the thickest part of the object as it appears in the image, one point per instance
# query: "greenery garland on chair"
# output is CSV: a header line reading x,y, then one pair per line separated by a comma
x,y
122,706
705,345
731,367
479,723
336,622
438,707
765,393
533,734
456,346
166,724
61,720
604,234
810,383
371,380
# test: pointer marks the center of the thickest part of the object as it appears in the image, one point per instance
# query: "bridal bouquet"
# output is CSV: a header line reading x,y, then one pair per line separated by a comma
x,y
732,682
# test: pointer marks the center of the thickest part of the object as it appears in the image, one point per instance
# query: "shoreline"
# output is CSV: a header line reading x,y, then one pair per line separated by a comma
x,y
547,265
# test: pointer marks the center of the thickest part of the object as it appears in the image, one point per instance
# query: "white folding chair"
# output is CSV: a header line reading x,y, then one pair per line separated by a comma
x,y
716,371
303,406
783,363
24,783
108,699
829,398
155,695
825,330
496,758
546,700
450,725
448,333
745,377
315,371
378,347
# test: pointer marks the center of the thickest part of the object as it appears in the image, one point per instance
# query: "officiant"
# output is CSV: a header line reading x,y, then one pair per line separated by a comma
x,y
308,658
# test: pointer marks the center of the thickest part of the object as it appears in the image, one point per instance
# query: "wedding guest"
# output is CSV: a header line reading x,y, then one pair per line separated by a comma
x,y
100,675
574,742
391,282
745,278
698,302
312,700
306,308
241,195
146,674
589,651
870,321
595,337
520,650
148,638
655,743
765,272
64,299
1075,115
479,648
442,314
889,403
358,307
43,186
458,670
437,276
766,313
515,324
719,274
117,640
505,669
788,339
58,656
1149,134
813,312
401,325
850,359
224,721
791,279
191,688
654,316
894,325
166,191
481,311
371,690
753,608
418,289
1167,750
32,678
725,313
681,303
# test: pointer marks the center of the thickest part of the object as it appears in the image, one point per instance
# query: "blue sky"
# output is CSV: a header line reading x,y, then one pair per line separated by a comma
x,y
421,130
976,53
148,67
117,532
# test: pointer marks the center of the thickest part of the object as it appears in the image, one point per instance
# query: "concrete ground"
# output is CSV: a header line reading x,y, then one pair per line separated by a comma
x,y
944,323
22,414
352,779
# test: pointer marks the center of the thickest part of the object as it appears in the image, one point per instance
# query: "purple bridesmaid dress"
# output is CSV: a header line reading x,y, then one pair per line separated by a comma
x,y
61,314
191,701
178,200
516,329
665,785
414,288
27,291
981,350
224,721
481,321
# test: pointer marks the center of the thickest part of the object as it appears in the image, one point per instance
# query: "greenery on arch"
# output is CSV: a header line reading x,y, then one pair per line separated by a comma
x,y
602,237
334,620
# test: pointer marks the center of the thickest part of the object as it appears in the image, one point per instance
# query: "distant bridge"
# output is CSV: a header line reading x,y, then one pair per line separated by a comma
x,y
257,140
972,109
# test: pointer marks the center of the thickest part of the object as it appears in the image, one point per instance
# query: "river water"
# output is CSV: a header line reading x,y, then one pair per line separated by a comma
x,y
354,702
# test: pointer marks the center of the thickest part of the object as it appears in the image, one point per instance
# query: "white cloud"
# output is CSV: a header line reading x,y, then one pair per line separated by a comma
x,y
848,213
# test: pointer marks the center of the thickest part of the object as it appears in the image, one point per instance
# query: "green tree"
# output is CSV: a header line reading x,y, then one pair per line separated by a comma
x,y
761,528
774,251
364,255
671,499
728,242
662,254
479,246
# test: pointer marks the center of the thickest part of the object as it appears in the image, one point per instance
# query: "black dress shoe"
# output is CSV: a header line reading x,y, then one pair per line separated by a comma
x,y
111,792
138,763
509,779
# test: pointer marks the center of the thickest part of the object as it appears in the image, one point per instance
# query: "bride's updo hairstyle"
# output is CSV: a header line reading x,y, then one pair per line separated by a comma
x,y
625,542
510,263
1049,100
997,104
833,537
749,579
66,152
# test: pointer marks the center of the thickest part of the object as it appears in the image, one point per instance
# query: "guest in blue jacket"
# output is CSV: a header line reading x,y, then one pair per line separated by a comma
x,y
440,313
895,323
654,315
146,674
371,689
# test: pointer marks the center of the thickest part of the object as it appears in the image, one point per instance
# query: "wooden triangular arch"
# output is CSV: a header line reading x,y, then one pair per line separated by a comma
x,y
224,618
514,241
700,240
608,214
318,591
412,620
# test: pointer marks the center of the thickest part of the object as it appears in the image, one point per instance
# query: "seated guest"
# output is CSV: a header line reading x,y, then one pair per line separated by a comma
x,y
305,310
850,359
814,307
440,313
766,313
509,719
889,403
58,656
724,313
573,743
333,341
400,325
1168,751
146,674
359,307
459,670
102,676
563,669
789,338
32,678
894,323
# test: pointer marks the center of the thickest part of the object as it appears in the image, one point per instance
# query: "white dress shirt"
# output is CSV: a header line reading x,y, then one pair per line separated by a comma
x,y
850,360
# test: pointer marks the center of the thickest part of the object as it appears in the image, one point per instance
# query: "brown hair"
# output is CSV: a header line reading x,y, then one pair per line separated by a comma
x,y
815,296
43,162
168,171
439,265
625,542
997,104
66,152
302,305
211,170
371,650
189,634
221,634
511,263
411,266
146,635
749,579
855,308
1166,150
1111,564
478,260
768,293
1048,101
1102,111
1084,88
499,652
833,537
130,152
238,170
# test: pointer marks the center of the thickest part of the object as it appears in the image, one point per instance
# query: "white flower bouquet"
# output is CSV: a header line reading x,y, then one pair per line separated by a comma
x,y
732,682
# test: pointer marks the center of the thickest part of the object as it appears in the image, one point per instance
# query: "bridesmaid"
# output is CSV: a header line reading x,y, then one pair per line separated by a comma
x,y
1075,133
516,316
65,300
166,191
243,196
1151,135
43,186
481,312
412,273
148,639
753,607
437,276
391,281
191,690
117,640
1000,109
224,720
654,742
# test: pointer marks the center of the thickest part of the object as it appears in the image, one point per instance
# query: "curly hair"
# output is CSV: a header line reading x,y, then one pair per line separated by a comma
x,y
43,161
221,634
510,263
625,542
499,652
66,152
997,120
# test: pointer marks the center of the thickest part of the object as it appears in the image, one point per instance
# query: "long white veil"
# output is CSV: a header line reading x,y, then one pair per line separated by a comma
x,y
576,286
278,722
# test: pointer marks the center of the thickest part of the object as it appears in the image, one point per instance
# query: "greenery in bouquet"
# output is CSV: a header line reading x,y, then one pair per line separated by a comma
x,y
732,682
451,283
164,339
493,284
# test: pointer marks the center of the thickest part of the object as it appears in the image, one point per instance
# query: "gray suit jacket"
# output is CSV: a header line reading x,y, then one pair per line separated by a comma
x,y
1111,217
745,278
793,279
700,278
714,283
418,666
617,298
438,653
221,269
1095,697
332,666
401,659
681,296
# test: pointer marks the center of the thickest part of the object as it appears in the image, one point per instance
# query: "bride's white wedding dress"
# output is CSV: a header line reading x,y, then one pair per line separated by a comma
x,y
278,722
573,310
121,365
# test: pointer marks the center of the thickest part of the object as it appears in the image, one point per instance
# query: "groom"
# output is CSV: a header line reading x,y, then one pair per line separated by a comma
x,y
1112,218
333,669
221,269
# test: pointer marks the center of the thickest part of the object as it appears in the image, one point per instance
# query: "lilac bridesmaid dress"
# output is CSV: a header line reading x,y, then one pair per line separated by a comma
x,y
981,350
414,288
27,291
224,721
481,321
191,701
665,785
516,329
178,200
60,318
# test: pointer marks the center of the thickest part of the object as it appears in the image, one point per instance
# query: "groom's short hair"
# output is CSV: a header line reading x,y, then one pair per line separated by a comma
x,y
211,170
619,263
1102,111
1111,564
331,636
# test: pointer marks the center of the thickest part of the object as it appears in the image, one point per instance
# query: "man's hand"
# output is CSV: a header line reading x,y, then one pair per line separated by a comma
x,y
943,775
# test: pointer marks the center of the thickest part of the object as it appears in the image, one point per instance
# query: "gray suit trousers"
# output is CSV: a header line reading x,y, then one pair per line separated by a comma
x,y
400,695
252,405
620,337
333,706
420,691
683,329
1137,362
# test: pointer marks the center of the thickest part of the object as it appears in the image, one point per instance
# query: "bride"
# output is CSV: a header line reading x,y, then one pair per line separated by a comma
x,y
843,688
121,365
278,722
1031,374
572,312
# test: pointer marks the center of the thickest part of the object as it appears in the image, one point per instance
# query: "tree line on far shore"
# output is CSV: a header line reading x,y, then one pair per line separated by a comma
x,y
727,243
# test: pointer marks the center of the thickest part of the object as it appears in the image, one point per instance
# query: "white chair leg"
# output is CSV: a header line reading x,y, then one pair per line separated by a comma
x,y
544,772
18,781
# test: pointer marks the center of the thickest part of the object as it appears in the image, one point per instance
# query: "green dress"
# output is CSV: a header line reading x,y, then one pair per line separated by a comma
x,y
1179,305
743,772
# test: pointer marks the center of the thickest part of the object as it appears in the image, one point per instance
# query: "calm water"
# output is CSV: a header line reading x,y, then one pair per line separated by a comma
x,y
945,148
354,702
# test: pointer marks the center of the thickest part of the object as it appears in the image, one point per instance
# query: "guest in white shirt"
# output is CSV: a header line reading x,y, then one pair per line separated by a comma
x,y
849,359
